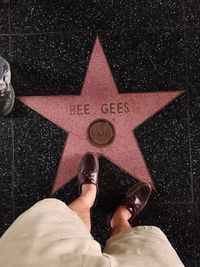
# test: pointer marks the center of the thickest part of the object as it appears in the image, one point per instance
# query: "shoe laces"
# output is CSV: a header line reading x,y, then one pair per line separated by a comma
x,y
2,92
88,175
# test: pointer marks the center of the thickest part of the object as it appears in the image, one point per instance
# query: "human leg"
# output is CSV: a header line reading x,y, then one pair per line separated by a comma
x,y
88,187
119,222
82,205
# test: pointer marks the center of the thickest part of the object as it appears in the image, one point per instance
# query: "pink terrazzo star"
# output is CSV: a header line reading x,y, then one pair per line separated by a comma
x,y
100,99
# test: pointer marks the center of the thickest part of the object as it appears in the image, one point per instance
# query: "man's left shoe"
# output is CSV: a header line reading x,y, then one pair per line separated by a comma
x,y
135,200
7,94
88,172
137,197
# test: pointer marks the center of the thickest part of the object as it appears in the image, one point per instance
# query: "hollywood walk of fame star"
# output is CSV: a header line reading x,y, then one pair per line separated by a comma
x,y
99,99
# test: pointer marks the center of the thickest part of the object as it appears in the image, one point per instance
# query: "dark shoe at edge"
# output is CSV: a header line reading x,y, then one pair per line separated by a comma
x,y
7,100
7,94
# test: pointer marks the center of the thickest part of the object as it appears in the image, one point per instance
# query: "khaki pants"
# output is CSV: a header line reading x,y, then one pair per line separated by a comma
x,y
51,235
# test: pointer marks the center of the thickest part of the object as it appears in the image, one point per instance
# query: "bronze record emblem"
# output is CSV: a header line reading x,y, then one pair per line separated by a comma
x,y
101,132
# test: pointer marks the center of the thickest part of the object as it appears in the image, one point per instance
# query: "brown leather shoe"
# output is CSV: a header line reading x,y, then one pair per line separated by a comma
x,y
137,197
135,200
88,172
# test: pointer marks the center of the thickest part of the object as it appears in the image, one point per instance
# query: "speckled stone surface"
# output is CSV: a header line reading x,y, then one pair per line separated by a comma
x,y
73,16
140,60
197,231
4,46
6,174
47,64
52,16
4,16
195,137
195,147
151,46
192,12
115,15
194,105
193,44
38,145
147,60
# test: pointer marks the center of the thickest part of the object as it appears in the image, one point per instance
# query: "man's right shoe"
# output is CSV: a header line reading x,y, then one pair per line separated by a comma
x,y
7,94
88,172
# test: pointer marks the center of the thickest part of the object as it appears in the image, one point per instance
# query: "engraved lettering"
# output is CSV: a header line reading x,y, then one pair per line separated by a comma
x,y
120,107
87,109
80,109
84,109
104,108
112,107
72,109
126,107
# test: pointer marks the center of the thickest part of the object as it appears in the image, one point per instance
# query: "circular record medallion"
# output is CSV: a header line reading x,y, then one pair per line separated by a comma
x,y
101,132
